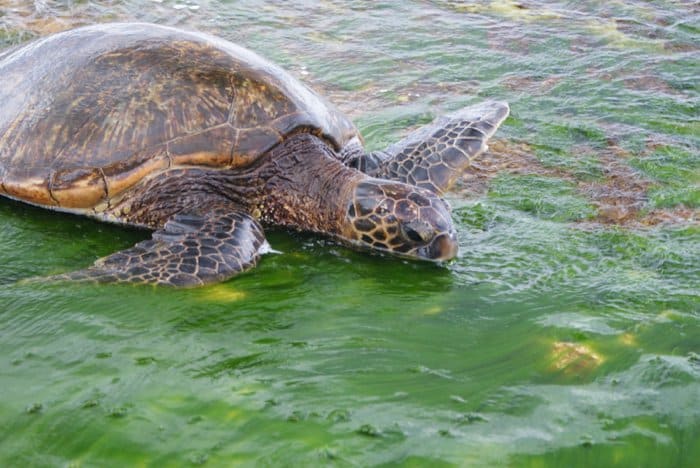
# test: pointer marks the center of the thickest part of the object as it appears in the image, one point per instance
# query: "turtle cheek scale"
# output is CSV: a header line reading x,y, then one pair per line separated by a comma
x,y
401,219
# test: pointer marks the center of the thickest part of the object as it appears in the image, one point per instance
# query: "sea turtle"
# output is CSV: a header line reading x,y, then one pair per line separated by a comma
x,y
205,142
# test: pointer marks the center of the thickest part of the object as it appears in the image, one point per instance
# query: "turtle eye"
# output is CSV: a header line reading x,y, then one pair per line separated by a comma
x,y
417,231
413,235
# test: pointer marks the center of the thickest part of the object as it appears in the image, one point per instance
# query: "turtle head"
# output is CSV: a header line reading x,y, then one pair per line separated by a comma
x,y
400,219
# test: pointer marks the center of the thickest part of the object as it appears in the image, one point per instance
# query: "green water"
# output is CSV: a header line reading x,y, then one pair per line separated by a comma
x,y
553,340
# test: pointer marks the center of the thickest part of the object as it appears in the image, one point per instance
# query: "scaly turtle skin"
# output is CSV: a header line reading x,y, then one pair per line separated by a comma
x,y
205,142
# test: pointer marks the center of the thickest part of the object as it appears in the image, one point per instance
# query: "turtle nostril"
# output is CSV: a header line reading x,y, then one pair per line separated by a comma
x,y
444,247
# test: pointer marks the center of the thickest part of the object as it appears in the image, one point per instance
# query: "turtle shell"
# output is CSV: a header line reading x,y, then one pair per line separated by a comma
x,y
87,114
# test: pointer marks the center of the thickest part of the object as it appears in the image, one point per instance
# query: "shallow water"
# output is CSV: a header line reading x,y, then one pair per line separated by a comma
x,y
567,333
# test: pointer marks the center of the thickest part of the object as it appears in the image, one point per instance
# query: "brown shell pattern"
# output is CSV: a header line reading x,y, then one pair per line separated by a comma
x,y
88,113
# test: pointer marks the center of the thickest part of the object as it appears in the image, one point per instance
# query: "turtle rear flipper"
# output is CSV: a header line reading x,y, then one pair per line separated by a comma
x,y
190,250
434,156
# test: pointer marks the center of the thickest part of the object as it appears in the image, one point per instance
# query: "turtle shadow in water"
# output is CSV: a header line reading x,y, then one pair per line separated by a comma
x,y
46,242
312,277
59,242
387,273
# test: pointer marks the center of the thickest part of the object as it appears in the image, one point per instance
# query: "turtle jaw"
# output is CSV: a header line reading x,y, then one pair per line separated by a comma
x,y
400,219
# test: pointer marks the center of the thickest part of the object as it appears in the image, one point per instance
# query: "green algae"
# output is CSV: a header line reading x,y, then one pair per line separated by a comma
x,y
543,197
676,172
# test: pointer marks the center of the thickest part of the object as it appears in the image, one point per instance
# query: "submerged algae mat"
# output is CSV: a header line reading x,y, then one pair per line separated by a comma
x,y
567,333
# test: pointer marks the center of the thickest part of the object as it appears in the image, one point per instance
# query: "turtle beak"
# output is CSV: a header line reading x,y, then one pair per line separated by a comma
x,y
444,247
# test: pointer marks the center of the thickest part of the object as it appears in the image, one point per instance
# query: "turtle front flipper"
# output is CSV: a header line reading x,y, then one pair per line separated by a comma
x,y
434,156
190,250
